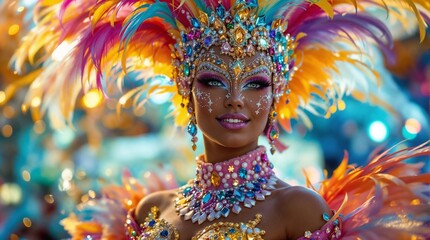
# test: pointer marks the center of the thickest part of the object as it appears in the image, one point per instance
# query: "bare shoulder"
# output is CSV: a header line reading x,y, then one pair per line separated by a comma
x,y
304,209
161,199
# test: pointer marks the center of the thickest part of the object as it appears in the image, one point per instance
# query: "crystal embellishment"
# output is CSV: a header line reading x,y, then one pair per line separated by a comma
x,y
216,192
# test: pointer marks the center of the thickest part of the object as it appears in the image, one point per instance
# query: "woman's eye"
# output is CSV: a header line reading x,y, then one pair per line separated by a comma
x,y
257,85
215,83
253,85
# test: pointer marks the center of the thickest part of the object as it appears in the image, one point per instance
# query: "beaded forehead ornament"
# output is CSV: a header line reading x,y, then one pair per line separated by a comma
x,y
239,33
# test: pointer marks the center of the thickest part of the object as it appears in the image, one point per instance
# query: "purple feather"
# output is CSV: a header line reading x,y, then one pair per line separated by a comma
x,y
323,30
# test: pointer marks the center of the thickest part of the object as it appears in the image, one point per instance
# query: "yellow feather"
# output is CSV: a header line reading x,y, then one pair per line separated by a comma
x,y
324,5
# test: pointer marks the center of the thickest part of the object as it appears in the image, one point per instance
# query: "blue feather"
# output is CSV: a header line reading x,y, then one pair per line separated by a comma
x,y
157,9
276,10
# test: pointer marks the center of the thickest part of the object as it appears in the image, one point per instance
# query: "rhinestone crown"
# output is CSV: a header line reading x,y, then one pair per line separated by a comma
x,y
239,33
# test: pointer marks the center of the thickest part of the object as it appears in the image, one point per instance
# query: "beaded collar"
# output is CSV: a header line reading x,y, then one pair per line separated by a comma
x,y
225,187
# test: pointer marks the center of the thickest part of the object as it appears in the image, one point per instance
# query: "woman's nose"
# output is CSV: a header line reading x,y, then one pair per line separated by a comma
x,y
234,99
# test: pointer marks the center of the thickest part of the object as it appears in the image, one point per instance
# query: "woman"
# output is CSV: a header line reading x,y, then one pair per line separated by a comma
x,y
239,68
242,104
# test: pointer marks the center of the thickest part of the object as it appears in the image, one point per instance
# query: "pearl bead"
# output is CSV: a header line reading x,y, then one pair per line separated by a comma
x,y
234,175
244,164
227,176
236,162
218,167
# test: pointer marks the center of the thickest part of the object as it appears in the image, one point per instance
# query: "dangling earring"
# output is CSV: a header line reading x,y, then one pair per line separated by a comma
x,y
192,128
272,133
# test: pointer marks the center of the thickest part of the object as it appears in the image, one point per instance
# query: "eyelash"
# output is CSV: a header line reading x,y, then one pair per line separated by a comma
x,y
209,82
261,84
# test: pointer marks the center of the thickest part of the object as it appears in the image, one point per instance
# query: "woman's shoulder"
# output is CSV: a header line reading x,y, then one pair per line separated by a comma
x,y
304,209
160,199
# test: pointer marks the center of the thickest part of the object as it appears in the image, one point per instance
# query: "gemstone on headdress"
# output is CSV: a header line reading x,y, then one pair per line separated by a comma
x,y
243,14
225,48
250,49
208,41
261,21
203,18
262,42
239,35
189,51
186,69
195,22
220,10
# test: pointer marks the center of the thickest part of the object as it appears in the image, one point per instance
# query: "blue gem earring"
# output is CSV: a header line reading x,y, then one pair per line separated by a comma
x,y
192,128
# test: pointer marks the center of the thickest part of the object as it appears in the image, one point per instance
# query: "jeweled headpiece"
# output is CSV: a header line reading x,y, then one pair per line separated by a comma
x,y
238,33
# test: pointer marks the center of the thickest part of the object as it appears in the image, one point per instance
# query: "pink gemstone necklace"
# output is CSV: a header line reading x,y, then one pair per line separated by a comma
x,y
225,187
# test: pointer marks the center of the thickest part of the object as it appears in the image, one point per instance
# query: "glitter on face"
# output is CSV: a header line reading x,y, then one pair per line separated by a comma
x,y
204,99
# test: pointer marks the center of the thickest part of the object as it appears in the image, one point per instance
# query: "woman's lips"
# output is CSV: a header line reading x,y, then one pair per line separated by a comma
x,y
233,121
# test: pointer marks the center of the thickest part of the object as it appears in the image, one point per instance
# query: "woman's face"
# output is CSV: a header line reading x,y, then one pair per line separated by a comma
x,y
232,99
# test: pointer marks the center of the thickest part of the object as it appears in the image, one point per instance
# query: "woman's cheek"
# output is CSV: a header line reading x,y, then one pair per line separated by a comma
x,y
205,99
260,103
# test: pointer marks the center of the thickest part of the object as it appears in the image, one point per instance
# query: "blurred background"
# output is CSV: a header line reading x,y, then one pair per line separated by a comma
x,y
45,173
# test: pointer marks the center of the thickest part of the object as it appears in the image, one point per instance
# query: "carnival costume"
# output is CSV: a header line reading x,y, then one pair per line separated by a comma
x,y
310,48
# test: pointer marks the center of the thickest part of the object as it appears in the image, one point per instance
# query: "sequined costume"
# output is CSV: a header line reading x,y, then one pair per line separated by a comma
x,y
387,199
314,53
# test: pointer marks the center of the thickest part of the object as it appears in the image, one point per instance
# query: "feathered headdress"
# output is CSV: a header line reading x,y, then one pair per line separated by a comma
x,y
318,48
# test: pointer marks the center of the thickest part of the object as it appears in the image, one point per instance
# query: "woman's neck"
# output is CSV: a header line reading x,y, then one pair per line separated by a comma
x,y
215,153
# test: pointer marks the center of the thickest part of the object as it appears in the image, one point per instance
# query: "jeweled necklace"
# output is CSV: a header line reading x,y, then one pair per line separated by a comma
x,y
224,187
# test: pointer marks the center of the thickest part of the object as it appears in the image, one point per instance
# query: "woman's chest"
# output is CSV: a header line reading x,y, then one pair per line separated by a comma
x,y
249,224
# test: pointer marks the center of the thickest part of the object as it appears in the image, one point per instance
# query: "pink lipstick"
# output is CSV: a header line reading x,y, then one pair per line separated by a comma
x,y
233,121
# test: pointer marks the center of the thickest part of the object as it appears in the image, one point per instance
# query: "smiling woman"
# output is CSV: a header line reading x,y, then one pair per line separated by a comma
x,y
243,101
240,68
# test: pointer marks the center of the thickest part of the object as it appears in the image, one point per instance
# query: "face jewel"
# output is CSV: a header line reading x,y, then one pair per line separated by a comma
x,y
237,67
203,199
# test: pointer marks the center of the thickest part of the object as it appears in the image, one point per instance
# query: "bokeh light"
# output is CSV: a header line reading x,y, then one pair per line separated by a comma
x,y
92,98
378,131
